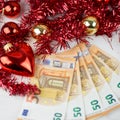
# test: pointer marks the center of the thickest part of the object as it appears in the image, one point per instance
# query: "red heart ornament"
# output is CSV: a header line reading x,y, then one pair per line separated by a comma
x,y
19,60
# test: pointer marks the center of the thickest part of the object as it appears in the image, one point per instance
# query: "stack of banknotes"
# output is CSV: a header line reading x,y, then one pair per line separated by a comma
x,y
82,83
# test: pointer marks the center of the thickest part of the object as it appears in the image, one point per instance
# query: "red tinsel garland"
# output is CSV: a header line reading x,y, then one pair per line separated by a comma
x,y
67,16
64,21
9,84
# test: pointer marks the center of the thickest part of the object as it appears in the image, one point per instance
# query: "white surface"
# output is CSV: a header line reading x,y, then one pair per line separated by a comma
x,y
10,106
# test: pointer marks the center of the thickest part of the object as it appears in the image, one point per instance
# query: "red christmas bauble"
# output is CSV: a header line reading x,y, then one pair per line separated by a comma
x,y
18,59
12,9
10,29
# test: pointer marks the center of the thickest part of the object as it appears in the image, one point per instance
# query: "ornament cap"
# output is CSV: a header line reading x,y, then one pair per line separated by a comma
x,y
8,47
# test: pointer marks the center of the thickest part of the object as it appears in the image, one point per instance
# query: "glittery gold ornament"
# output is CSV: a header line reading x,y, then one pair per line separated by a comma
x,y
92,25
39,30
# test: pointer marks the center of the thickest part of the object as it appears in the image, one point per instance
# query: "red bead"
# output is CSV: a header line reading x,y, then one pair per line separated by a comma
x,y
12,9
10,29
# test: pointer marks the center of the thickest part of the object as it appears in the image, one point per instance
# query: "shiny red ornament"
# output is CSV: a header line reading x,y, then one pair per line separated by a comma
x,y
18,59
12,9
10,29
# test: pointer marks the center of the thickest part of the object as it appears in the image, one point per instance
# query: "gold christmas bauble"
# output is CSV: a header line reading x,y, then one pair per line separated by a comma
x,y
92,25
39,30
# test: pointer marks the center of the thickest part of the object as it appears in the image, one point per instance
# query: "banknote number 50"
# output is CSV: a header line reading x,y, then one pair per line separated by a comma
x,y
57,116
118,85
95,105
110,99
77,111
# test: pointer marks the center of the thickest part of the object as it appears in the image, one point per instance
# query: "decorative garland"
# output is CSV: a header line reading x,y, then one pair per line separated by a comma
x,y
52,23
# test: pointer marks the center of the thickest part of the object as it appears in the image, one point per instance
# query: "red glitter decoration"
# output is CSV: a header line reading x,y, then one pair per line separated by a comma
x,y
9,83
12,9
